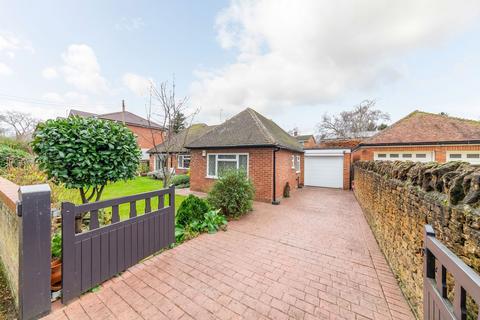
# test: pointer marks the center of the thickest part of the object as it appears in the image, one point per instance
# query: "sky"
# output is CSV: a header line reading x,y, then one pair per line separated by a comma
x,y
292,61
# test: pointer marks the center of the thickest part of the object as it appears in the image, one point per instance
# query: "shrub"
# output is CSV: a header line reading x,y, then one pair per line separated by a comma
x,y
192,209
15,144
143,168
57,245
14,157
233,194
28,173
181,180
213,221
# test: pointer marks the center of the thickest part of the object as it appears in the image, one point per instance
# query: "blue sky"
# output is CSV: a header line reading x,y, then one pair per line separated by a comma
x,y
292,61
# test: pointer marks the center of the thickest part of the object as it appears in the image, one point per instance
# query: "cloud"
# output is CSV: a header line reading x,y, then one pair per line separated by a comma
x,y
293,53
5,70
69,98
49,73
130,24
82,70
10,43
137,84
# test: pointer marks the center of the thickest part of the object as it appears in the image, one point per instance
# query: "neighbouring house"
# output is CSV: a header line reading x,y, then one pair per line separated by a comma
x,y
148,132
422,136
174,149
306,140
248,141
339,143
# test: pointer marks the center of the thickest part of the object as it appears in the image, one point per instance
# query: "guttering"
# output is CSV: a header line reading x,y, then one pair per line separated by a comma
x,y
247,146
275,201
433,143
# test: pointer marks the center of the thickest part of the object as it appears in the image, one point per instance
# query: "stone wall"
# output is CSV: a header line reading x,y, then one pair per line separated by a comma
x,y
399,198
9,234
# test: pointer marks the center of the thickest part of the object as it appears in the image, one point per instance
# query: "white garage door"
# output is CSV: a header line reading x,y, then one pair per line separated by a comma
x,y
324,171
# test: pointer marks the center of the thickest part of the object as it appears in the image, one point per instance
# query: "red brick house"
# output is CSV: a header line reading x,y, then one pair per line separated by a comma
x,y
423,136
249,141
178,155
140,126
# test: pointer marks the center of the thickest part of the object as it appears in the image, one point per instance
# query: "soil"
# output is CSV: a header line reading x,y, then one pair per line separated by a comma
x,y
7,304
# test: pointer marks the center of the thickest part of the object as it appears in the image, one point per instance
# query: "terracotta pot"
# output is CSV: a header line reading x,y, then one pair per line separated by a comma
x,y
56,274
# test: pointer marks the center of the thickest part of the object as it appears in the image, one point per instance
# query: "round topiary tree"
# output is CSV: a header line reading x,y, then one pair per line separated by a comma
x,y
86,154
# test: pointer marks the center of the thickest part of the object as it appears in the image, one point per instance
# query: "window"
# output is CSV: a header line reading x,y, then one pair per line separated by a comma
x,y
217,164
296,163
472,157
160,161
183,161
403,156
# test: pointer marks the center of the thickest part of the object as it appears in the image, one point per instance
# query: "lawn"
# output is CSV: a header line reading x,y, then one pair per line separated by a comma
x,y
130,187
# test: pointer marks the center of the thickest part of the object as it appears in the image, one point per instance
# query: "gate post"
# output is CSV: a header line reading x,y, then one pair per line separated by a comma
x,y
34,251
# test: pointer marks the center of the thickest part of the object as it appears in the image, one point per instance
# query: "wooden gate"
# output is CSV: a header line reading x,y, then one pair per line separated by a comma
x,y
438,261
96,255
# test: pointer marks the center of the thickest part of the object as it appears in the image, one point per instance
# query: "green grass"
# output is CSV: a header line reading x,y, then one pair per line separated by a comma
x,y
131,187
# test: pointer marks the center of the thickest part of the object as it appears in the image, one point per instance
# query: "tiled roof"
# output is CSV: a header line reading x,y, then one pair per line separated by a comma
x,y
182,138
303,137
128,117
423,127
248,128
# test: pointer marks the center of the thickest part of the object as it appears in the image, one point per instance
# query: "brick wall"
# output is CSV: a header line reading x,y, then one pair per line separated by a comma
x,y
285,172
399,198
144,136
260,171
347,164
9,234
366,153
310,143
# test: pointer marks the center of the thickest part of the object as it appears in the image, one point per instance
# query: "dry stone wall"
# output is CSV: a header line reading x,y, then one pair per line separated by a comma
x,y
399,198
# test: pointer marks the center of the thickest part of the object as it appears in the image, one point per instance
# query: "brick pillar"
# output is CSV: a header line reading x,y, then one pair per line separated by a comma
x,y
440,156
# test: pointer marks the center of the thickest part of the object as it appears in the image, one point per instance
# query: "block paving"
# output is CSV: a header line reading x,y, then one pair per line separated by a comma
x,y
311,257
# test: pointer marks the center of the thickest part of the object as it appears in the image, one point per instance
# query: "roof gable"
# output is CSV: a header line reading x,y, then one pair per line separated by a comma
x,y
248,128
424,127
128,117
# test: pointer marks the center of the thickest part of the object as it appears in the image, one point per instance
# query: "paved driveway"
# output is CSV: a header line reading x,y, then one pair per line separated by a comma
x,y
312,257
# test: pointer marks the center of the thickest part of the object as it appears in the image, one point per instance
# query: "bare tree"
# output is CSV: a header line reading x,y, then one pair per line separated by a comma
x,y
164,106
23,124
351,124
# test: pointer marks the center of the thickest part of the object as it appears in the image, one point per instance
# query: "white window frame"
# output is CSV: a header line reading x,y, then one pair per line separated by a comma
x,y
463,154
237,160
429,156
155,162
295,162
181,164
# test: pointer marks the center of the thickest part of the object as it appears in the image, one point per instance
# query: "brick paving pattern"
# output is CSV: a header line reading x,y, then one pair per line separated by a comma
x,y
312,257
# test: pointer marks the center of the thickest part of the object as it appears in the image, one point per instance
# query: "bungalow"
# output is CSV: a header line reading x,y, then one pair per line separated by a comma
x,y
179,156
422,136
249,141
148,133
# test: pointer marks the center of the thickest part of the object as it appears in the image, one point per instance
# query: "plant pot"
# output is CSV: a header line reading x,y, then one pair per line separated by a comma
x,y
56,274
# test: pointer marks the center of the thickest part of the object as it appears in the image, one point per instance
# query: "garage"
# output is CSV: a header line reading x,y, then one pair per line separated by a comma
x,y
324,167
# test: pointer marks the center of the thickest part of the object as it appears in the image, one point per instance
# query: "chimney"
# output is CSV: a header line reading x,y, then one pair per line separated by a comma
x,y
123,111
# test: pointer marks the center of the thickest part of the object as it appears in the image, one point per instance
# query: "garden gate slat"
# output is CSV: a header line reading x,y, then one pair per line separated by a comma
x,y
438,261
94,256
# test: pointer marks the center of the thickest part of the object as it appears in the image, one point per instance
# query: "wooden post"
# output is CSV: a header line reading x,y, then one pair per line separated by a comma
x,y
34,251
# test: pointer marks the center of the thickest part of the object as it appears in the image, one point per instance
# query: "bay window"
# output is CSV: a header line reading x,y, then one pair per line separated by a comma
x,y
217,163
